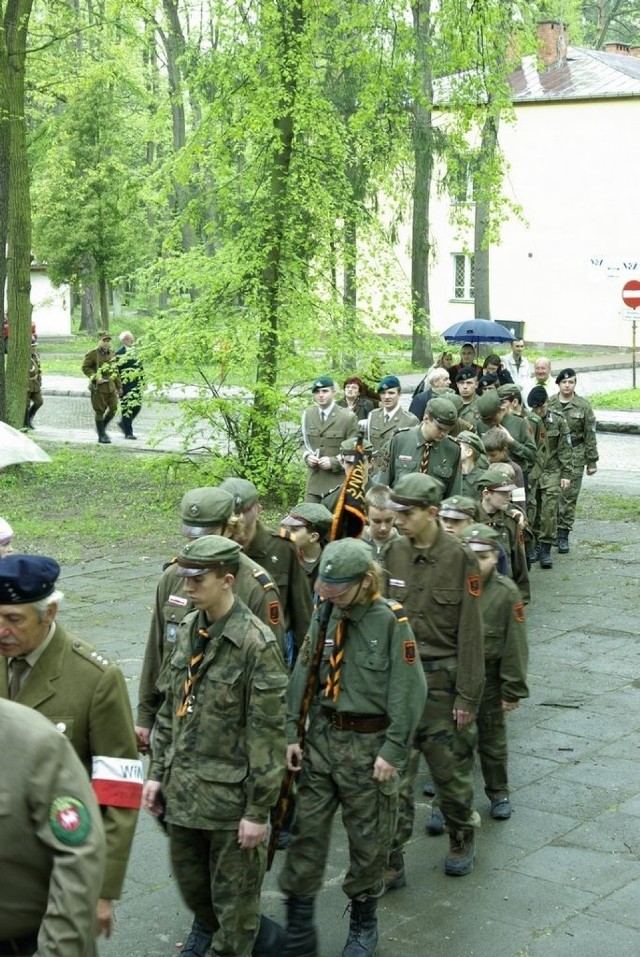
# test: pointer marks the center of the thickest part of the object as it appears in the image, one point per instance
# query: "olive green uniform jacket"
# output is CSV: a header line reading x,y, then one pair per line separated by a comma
x,y
505,635
100,367
523,451
223,760
512,541
325,438
86,698
277,554
380,675
403,454
380,432
252,586
579,416
440,590
51,880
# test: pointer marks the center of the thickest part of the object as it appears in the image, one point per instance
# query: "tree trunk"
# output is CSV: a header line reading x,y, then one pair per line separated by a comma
x,y
350,286
16,15
104,302
481,237
88,319
421,354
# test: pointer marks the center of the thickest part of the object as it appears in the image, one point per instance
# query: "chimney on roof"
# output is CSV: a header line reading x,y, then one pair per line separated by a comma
x,y
621,48
552,43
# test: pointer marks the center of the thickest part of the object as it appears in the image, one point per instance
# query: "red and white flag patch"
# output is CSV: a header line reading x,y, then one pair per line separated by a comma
x,y
117,782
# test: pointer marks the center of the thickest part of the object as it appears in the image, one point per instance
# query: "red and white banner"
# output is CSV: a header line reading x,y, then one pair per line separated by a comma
x,y
117,782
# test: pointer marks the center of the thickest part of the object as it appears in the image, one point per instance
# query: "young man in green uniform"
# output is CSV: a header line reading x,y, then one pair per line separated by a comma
x,y
389,417
579,417
493,411
380,530
369,696
506,657
494,509
425,448
34,388
219,749
104,384
324,426
438,581
310,524
549,478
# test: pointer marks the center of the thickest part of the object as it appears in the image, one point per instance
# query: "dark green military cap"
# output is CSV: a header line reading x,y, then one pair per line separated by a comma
x,y
348,447
309,513
244,492
323,382
494,480
205,554
343,563
443,411
457,401
481,538
488,404
204,508
510,391
472,439
458,507
389,382
415,489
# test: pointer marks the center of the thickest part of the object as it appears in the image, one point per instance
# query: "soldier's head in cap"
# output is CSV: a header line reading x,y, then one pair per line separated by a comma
x,y
471,445
380,518
456,513
324,391
28,602
537,400
566,381
208,566
490,408
467,383
416,499
347,456
6,537
246,508
496,444
495,490
488,381
104,341
484,542
310,523
206,511
347,574
510,396
440,417
389,390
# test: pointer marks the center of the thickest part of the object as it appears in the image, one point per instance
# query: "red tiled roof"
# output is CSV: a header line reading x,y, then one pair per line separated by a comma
x,y
585,75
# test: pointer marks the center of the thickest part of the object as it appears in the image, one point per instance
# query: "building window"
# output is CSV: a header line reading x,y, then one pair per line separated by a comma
x,y
460,181
463,277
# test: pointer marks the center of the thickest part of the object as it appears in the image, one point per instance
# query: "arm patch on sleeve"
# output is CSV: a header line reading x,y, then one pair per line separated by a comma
x,y
409,652
274,613
473,586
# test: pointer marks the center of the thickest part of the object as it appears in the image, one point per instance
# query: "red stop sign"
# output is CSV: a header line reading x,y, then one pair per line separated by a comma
x,y
631,293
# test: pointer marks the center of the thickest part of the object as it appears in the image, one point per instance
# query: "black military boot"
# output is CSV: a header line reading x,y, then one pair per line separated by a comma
x,y
462,853
31,414
103,438
534,552
302,939
563,541
271,939
546,560
394,875
198,942
363,929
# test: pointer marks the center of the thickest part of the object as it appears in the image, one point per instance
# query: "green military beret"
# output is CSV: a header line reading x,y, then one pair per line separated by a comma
x,y
204,508
389,382
349,446
323,382
488,404
458,507
510,391
494,480
244,492
472,439
343,563
309,513
481,538
207,553
415,489
443,411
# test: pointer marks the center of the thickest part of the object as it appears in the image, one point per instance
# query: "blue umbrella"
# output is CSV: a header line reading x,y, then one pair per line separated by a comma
x,y
477,330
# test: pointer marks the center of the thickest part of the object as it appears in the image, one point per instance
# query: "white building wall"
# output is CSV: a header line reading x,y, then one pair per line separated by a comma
x,y
51,306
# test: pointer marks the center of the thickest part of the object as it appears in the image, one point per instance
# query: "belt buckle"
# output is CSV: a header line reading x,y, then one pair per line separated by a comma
x,y
338,721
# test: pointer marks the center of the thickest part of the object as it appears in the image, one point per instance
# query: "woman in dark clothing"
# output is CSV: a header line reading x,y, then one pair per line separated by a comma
x,y
493,366
355,399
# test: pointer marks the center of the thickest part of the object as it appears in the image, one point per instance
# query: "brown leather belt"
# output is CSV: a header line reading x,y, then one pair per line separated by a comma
x,y
361,723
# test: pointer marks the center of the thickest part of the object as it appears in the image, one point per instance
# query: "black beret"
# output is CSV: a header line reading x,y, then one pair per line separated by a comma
x,y
565,374
27,578
537,396
466,373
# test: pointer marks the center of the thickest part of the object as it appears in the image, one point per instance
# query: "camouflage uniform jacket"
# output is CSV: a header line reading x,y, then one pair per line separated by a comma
x,y
555,458
512,541
380,673
277,554
403,454
100,368
225,758
440,590
252,586
505,635
579,417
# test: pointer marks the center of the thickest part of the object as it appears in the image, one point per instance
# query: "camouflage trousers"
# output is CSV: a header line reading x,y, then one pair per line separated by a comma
x,y
542,508
449,754
221,884
492,735
336,771
569,496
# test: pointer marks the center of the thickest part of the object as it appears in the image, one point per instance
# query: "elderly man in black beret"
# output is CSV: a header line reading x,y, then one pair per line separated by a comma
x,y
82,693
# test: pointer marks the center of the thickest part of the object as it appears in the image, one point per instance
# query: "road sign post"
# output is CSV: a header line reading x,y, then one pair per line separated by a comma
x,y
631,299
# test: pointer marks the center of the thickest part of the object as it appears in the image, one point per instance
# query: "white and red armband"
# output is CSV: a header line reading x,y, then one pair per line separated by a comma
x,y
117,782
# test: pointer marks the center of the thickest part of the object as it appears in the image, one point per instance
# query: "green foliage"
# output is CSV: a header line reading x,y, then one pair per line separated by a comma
x,y
622,400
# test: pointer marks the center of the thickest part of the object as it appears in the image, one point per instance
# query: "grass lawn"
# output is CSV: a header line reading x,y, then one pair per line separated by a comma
x,y
622,401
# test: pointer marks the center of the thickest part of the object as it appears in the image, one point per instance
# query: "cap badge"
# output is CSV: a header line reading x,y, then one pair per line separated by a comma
x,y
194,510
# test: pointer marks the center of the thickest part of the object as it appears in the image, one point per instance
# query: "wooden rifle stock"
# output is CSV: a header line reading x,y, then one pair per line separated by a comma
x,y
288,782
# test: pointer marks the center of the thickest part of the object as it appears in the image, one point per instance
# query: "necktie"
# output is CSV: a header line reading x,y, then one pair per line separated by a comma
x,y
199,648
19,668
332,688
386,418
323,416
424,464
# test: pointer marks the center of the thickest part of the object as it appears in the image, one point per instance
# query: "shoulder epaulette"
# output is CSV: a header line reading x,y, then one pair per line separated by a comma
x,y
398,610
263,579
286,534
90,654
